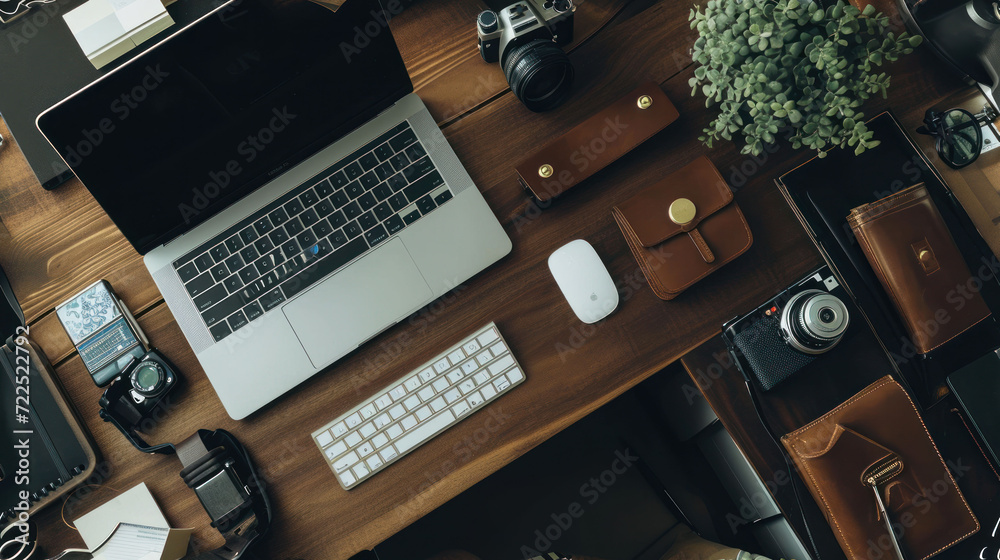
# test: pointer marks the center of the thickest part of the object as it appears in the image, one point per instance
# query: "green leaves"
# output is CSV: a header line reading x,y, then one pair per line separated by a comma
x,y
791,68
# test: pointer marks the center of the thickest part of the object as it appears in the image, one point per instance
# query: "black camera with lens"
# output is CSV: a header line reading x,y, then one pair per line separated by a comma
x,y
526,39
138,392
791,330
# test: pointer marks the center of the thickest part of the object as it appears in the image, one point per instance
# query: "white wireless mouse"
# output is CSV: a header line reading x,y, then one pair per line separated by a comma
x,y
584,281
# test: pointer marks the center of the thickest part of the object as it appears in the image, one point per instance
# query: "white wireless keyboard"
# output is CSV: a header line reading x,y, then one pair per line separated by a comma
x,y
420,405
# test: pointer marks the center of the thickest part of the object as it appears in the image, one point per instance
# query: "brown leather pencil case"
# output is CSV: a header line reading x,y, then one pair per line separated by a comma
x,y
915,258
683,228
878,434
596,142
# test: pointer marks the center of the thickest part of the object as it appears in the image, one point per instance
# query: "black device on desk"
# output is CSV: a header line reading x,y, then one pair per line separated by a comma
x,y
977,389
38,427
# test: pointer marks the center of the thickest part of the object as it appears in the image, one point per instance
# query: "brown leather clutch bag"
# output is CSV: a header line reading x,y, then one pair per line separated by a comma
x,y
915,258
596,142
683,228
875,449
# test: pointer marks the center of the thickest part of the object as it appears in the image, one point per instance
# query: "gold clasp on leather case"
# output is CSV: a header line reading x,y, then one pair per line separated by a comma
x,y
682,211
545,171
644,102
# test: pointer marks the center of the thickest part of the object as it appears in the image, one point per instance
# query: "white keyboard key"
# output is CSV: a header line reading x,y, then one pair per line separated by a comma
x,y
347,478
427,375
387,454
500,365
452,396
442,365
380,440
424,413
345,462
482,377
368,411
467,386
367,430
498,349
501,384
440,384
412,402
461,408
374,462
383,402
409,422
353,420
456,356
336,450
515,375
397,412
455,376
365,449
425,431
488,392
475,399
488,337
469,367
412,383
397,393
426,394
339,430
360,471
324,439
471,347
484,358
382,421
394,431
353,439
437,404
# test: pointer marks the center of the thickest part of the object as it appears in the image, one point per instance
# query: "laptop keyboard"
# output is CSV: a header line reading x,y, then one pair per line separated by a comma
x,y
311,231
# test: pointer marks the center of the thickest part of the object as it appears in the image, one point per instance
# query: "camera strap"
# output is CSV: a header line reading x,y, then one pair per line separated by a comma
x,y
219,470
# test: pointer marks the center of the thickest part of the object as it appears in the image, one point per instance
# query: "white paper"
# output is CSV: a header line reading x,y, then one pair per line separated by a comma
x,y
131,542
134,506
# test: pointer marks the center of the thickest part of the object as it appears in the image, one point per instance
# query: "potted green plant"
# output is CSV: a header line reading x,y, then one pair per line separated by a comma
x,y
792,66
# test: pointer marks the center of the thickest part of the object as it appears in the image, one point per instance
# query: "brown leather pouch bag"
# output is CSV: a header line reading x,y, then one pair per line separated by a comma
x,y
835,453
683,228
915,258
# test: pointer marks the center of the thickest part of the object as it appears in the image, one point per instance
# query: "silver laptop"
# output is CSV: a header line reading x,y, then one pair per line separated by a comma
x,y
292,197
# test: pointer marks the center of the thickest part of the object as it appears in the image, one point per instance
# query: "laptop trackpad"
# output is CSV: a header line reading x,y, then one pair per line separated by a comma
x,y
341,312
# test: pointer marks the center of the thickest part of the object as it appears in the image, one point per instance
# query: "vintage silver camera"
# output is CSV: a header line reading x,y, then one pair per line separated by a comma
x,y
526,39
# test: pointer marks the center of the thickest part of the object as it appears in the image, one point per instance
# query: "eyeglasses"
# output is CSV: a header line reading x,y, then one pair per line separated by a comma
x,y
958,134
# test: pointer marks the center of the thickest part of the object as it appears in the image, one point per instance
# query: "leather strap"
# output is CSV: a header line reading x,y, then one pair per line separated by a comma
x,y
702,245
596,142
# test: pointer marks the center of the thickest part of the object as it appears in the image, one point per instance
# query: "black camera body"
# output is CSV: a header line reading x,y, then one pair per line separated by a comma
x,y
526,39
791,330
139,390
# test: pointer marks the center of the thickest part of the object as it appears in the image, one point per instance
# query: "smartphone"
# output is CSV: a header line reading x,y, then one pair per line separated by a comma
x,y
103,330
977,388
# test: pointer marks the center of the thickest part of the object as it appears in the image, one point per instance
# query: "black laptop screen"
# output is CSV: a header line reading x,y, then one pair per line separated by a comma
x,y
223,107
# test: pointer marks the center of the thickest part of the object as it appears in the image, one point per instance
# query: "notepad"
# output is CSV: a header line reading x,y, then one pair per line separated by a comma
x,y
107,29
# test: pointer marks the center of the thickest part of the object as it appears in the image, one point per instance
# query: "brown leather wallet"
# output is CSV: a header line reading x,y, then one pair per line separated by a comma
x,y
683,228
596,142
915,258
879,433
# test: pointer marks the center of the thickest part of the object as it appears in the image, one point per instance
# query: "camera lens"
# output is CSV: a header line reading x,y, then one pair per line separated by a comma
x,y
814,321
540,74
148,379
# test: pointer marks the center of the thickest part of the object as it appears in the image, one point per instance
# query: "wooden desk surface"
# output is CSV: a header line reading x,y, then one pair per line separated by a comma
x,y
53,244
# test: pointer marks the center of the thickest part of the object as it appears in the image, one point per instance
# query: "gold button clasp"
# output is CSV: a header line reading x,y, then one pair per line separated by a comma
x,y
644,102
545,171
682,212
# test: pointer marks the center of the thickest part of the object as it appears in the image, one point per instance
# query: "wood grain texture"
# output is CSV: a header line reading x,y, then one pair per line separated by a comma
x,y
572,368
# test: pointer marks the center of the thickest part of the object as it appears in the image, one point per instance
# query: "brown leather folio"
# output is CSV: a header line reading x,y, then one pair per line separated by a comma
x,y
878,434
683,228
915,258
596,142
